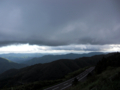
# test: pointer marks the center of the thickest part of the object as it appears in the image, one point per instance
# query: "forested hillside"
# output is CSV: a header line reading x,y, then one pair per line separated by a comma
x,y
6,64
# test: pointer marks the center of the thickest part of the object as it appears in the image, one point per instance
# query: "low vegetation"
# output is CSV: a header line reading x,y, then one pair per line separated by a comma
x,y
107,80
106,76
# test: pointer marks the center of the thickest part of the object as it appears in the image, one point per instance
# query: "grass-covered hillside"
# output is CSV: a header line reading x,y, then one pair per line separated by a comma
x,y
107,80
106,76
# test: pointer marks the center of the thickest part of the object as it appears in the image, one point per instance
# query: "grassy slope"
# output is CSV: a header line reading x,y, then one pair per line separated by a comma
x,y
107,80
106,76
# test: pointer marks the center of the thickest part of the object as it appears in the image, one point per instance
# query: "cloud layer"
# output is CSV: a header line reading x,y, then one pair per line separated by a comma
x,y
26,48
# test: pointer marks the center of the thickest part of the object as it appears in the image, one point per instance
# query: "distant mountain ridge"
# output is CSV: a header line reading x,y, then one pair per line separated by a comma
x,y
50,58
19,57
48,71
6,64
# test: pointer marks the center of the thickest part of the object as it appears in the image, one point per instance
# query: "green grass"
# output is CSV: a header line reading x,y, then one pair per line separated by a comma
x,y
6,59
75,73
108,80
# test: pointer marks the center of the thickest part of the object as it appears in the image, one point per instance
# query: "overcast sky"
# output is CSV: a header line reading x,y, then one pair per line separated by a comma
x,y
55,23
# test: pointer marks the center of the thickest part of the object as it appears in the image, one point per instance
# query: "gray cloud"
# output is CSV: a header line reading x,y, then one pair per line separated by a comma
x,y
59,22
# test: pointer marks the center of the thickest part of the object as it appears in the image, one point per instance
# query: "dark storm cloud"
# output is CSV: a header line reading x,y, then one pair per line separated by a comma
x,y
59,22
